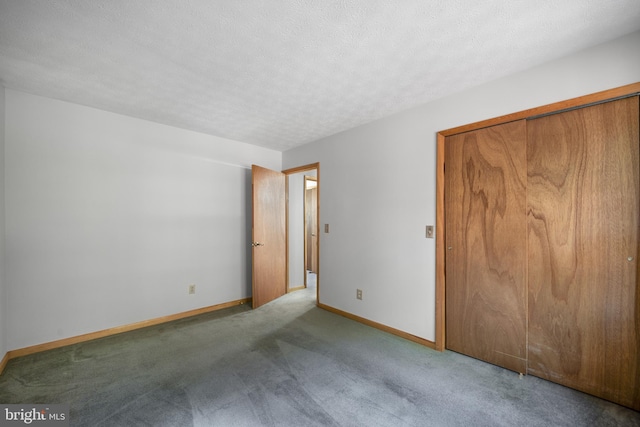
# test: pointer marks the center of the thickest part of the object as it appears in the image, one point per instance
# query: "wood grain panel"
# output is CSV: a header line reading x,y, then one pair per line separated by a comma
x,y
486,229
269,230
583,204
609,94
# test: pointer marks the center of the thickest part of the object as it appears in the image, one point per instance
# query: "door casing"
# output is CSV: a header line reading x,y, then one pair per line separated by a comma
x,y
287,172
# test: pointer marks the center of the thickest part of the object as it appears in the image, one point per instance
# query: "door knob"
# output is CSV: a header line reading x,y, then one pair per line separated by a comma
x,y
254,244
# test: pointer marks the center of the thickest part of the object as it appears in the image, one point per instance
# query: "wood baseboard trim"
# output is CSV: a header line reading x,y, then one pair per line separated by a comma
x,y
380,326
3,362
297,288
117,330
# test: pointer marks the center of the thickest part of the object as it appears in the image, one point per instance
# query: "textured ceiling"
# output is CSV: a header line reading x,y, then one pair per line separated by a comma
x,y
284,73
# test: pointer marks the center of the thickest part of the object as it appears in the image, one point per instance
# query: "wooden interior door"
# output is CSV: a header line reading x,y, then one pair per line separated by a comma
x,y
486,231
583,204
269,260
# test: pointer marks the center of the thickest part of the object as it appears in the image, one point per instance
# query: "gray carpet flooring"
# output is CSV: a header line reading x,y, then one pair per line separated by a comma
x,y
288,363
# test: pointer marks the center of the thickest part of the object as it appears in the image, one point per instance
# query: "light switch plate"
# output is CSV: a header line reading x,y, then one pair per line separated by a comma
x,y
429,231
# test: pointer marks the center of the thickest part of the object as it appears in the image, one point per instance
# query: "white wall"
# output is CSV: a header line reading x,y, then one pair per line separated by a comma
x,y
378,184
3,304
110,218
296,230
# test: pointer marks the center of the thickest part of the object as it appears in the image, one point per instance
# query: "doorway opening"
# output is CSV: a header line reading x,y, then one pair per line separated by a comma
x,y
310,230
303,239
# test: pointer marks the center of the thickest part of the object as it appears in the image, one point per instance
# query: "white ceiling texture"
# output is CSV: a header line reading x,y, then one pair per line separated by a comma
x,y
283,73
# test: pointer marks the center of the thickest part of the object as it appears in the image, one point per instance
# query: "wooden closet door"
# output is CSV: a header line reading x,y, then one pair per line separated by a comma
x,y
583,205
486,231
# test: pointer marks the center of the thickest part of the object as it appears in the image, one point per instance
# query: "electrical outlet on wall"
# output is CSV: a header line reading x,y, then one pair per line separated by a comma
x,y
359,293
192,289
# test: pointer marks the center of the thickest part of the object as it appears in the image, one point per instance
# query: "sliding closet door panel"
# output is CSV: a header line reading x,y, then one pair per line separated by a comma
x,y
486,230
583,204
